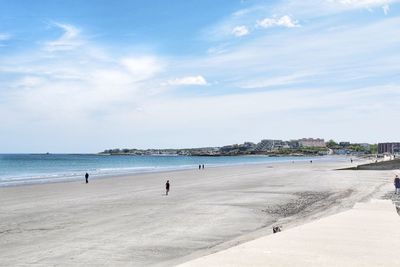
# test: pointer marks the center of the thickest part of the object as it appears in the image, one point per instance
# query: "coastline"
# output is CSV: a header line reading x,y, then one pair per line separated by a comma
x,y
127,171
127,220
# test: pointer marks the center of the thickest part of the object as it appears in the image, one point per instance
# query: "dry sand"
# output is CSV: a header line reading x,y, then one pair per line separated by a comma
x,y
367,235
128,221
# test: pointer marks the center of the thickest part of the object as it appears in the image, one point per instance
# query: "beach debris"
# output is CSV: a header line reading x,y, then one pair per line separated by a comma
x,y
276,229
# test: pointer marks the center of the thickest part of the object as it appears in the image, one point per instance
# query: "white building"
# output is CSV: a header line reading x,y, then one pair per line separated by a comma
x,y
311,142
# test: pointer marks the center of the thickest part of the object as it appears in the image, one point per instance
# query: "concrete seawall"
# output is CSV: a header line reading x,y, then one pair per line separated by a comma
x,y
378,166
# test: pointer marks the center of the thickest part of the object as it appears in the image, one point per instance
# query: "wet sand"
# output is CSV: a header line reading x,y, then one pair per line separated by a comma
x,y
129,221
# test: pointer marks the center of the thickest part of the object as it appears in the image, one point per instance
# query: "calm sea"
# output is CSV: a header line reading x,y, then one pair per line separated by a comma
x,y
16,169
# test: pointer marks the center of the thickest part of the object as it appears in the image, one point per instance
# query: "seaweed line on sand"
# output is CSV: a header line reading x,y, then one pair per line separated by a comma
x,y
303,202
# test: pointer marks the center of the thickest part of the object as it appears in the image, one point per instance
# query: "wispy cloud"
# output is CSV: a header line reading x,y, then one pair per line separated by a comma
x,y
363,3
308,9
189,80
283,14
284,21
70,39
316,55
366,4
276,80
4,36
336,71
385,9
240,31
78,84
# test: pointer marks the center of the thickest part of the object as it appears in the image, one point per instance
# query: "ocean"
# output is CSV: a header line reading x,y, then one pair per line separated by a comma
x,y
18,169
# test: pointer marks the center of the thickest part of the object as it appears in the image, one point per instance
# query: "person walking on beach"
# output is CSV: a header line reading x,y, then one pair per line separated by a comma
x,y
396,184
202,166
87,177
199,167
167,188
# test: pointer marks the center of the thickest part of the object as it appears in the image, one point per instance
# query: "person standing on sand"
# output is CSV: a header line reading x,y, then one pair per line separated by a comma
x,y
396,184
202,166
167,188
87,177
199,166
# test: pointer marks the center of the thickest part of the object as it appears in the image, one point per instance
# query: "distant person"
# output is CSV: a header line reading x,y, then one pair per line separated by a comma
x,y
351,160
310,161
396,184
87,177
167,188
199,167
202,166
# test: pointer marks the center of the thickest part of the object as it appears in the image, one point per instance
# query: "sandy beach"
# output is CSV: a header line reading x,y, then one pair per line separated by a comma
x,y
128,221
366,235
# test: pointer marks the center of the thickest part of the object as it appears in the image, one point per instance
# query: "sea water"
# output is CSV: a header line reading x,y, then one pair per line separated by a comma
x,y
17,169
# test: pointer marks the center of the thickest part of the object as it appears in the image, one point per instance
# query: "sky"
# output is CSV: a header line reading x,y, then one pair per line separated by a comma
x,y
84,76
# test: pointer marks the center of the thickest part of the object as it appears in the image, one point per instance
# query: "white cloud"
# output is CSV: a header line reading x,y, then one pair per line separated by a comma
x,y
86,88
275,80
367,4
362,3
386,9
240,31
274,14
307,9
284,21
189,80
4,36
69,40
322,57
95,90
284,110
29,81
143,67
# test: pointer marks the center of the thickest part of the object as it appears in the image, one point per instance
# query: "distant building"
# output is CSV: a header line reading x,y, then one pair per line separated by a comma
x,y
249,145
268,145
279,144
390,148
286,145
311,142
293,144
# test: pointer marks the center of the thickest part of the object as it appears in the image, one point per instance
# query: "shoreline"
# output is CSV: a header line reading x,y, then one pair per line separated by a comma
x,y
68,179
128,220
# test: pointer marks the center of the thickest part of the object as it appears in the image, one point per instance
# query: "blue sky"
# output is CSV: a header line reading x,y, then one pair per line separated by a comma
x,y
83,76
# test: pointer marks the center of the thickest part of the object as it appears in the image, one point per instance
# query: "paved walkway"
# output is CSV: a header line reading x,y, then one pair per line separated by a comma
x,y
367,235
